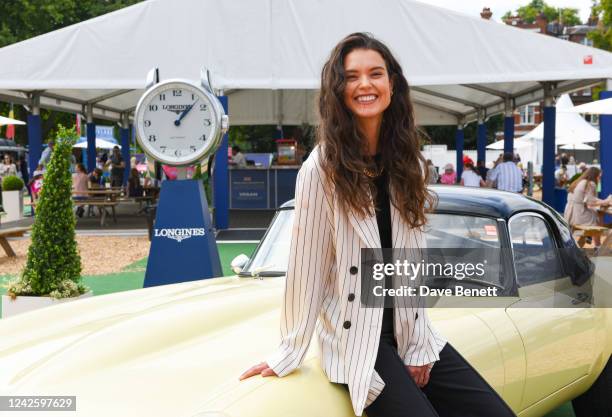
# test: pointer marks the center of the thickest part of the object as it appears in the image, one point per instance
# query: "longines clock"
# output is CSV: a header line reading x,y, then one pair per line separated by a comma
x,y
179,122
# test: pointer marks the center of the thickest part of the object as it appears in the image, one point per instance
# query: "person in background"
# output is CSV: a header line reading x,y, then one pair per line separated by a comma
x,y
489,181
507,175
582,201
561,177
7,167
579,171
450,176
238,158
96,178
117,166
46,155
482,169
79,186
433,172
469,176
36,182
134,187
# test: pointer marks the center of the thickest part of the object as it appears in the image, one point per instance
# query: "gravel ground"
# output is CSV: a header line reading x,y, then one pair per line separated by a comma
x,y
99,254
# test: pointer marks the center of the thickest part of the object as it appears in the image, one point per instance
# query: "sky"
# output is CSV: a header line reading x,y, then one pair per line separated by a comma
x,y
500,7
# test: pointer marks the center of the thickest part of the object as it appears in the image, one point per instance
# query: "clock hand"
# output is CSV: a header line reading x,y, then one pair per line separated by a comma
x,y
177,122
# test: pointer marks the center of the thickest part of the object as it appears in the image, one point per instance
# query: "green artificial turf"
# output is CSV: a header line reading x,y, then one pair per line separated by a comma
x,y
132,277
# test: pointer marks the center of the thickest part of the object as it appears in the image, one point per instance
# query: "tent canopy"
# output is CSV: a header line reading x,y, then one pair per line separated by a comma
x,y
266,56
569,127
9,121
101,143
595,107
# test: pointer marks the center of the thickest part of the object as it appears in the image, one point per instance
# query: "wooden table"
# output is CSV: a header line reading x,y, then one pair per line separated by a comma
x,y
101,198
11,232
606,245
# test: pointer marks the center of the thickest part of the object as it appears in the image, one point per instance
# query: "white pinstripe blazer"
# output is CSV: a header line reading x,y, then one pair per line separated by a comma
x,y
323,291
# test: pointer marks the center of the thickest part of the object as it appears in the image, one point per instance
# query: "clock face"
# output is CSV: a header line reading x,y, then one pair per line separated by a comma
x,y
177,123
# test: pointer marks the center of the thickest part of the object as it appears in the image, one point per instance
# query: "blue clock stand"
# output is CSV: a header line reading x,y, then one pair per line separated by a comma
x,y
183,244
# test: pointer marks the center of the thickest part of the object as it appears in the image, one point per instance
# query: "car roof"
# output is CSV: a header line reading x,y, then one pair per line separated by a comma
x,y
478,201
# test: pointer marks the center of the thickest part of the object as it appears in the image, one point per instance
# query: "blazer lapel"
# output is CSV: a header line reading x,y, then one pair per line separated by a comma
x,y
366,228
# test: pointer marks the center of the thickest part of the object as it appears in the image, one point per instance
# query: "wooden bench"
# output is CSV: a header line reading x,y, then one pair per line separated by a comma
x,y
11,232
101,205
588,230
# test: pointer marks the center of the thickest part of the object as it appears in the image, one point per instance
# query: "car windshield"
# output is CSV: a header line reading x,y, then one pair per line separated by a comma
x,y
271,257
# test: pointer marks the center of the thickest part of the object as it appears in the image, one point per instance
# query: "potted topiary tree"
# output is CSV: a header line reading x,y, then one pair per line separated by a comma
x,y
12,197
53,270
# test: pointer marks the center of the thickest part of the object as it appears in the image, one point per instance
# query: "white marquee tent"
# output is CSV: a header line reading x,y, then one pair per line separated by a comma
x,y
595,107
570,129
266,56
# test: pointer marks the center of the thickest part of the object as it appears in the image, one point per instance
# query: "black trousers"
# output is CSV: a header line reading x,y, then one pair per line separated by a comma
x,y
455,388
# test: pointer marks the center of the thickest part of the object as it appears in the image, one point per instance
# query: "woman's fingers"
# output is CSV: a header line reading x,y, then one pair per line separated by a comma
x,y
268,372
420,374
261,368
254,370
426,376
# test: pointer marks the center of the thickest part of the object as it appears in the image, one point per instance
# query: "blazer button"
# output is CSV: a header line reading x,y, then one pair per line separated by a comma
x,y
351,297
347,324
353,270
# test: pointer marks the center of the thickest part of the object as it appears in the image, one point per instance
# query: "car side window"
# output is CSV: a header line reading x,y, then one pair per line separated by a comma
x,y
535,255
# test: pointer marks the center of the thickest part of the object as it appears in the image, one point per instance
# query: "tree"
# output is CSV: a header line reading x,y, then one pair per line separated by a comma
x,y
602,37
529,13
53,267
24,19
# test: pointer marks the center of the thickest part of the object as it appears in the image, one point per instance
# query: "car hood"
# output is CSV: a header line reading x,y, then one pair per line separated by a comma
x,y
165,348
171,350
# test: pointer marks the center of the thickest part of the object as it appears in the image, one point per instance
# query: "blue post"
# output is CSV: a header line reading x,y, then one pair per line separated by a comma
x,y
34,141
508,134
459,137
481,142
605,149
124,134
548,166
91,147
221,179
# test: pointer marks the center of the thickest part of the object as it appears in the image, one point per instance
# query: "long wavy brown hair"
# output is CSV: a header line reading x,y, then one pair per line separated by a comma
x,y
345,149
591,175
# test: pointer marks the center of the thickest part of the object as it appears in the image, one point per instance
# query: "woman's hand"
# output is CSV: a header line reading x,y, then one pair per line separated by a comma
x,y
420,374
261,368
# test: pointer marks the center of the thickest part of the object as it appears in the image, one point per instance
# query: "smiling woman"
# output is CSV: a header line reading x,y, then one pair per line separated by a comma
x,y
364,186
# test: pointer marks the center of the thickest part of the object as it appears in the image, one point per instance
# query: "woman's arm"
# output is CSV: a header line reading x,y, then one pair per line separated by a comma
x,y
311,258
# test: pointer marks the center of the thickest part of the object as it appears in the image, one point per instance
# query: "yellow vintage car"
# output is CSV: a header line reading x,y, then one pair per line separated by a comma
x,y
178,350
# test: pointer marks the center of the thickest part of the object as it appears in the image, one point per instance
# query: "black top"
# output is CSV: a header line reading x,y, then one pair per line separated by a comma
x,y
383,219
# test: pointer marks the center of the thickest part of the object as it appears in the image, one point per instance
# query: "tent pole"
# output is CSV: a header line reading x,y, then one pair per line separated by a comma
x,y
508,127
605,144
221,177
548,146
91,138
34,133
481,138
459,139
124,134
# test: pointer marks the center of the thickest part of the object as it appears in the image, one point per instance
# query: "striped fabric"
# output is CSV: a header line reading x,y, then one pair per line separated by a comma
x,y
509,177
323,292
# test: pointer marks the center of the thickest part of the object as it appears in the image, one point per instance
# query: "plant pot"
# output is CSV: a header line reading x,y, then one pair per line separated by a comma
x,y
13,205
23,304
